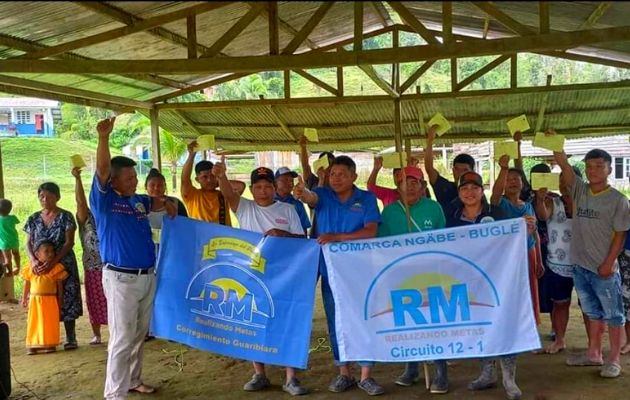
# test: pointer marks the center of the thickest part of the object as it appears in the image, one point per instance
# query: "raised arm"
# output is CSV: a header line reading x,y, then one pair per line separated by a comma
x,y
103,156
306,168
568,175
186,184
543,205
301,193
378,164
499,183
428,155
79,195
518,137
232,197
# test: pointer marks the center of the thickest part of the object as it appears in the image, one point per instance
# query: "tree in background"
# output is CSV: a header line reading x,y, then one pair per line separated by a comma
x,y
172,149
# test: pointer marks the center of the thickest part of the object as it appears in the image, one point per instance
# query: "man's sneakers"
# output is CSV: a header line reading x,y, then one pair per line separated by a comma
x,y
258,382
370,387
407,379
294,388
342,383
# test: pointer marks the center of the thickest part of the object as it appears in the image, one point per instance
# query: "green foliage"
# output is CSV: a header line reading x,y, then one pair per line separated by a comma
x,y
79,122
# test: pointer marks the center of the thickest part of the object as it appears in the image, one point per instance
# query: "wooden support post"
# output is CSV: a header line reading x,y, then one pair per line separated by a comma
x,y
191,35
396,66
287,84
274,41
453,74
398,139
358,26
340,81
408,150
1,175
543,17
447,21
514,71
155,139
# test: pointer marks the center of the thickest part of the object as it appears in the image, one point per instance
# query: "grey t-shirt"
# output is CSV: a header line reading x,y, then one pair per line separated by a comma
x,y
597,217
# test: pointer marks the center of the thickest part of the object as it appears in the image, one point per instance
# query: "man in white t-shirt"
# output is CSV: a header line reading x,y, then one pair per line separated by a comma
x,y
269,217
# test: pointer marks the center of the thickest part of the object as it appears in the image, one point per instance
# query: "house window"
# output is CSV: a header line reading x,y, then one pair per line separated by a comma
x,y
23,117
622,167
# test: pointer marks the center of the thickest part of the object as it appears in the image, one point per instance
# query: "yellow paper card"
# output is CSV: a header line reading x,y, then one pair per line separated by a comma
x,y
155,235
541,180
392,160
205,142
77,161
509,148
321,163
551,142
311,134
442,123
519,123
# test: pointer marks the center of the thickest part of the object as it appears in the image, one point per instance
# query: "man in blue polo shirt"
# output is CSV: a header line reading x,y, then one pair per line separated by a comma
x,y
284,186
128,255
344,212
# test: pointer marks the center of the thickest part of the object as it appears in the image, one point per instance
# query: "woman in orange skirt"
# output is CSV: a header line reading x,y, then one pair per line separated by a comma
x,y
46,298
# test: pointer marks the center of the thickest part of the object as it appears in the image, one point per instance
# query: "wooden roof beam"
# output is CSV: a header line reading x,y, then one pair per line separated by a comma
x,y
599,11
381,13
416,75
503,18
120,15
317,81
64,90
140,26
282,124
309,60
543,17
410,19
287,28
235,30
482,71
188,122
308,28
273,21
191,35
30,46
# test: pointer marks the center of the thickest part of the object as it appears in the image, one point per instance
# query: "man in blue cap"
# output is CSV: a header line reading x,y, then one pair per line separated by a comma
x,y
284,187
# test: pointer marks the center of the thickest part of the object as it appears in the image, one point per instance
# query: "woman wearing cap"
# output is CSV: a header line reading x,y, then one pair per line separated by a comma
x,y
58,226
473,208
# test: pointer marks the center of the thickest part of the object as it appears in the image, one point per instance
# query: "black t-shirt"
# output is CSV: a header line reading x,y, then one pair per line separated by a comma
x,y
489,213
445,191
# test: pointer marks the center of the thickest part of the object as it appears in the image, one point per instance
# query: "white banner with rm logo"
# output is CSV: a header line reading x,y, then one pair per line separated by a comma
x,y
444,294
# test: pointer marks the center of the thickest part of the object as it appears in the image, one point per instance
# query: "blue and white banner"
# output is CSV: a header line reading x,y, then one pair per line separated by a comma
x,y
451,293
235,292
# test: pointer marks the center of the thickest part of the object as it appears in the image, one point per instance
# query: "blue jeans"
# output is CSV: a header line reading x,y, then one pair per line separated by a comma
x,y
329,308
600,298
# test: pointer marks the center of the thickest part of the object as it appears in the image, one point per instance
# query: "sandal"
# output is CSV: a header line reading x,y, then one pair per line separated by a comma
x,y
582,360
610,370
70,345
144,389
95,340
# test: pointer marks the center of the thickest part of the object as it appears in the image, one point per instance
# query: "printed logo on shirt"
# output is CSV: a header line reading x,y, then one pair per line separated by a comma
x,y
428,224
587,213
282,221
140,208
357,206
486,219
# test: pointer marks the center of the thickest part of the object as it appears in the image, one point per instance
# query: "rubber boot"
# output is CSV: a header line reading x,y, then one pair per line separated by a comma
x,y
508,372
71,336
439,385
488,377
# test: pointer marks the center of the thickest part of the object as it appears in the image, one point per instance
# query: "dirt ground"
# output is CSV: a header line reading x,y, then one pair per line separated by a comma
x,y
184,373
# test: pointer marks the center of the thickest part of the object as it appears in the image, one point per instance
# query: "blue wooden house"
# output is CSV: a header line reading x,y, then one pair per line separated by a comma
x,y
26,116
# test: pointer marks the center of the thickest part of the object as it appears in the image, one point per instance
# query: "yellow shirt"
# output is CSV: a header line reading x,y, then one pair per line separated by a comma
x,y
204,206
44,284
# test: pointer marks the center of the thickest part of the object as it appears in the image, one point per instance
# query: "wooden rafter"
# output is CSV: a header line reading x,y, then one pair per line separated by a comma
x,y
380,82
381,13
482,71
309,102
198,87
454,74
595,15
317,81
308,27
447,21
287,28
513,71
503,18
322,59
120,15
235,30
141,26
282,124
29,46
408,17
64,90
358,26
416,75
188,121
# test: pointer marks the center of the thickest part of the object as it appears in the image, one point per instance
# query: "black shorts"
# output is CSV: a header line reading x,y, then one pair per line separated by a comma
x,y
560,287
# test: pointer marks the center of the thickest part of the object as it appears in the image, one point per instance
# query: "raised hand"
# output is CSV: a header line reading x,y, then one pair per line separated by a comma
x,y
76,172
378,162
105,127
518,136
504,161
192,147
299,188
431,132
219,168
